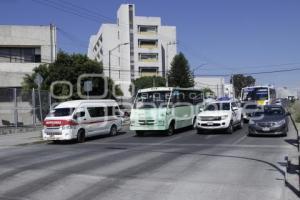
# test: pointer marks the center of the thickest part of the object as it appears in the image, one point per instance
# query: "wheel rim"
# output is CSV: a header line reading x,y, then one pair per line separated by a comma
x,y
171,130
113,131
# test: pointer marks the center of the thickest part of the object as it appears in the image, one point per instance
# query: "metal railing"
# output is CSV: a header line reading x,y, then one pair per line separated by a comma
x,y
23,108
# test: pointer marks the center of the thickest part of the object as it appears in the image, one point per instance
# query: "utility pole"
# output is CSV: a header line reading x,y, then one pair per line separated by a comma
x,y
167,60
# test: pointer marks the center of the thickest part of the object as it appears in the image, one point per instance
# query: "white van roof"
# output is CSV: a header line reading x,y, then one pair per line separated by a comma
x,y
153,89
77,103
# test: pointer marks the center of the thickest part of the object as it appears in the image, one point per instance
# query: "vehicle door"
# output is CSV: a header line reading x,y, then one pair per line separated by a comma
x,y
182,109
236,112
81,118
97,118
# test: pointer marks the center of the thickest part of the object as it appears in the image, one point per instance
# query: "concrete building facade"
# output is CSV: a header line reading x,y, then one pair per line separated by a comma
x,y
23,48
138,46
215,83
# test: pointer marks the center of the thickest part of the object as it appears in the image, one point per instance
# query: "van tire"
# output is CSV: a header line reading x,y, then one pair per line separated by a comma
x,y
139,133
171,129
113,130
81,136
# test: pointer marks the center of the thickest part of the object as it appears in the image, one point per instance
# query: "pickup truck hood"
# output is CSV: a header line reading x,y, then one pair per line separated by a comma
x,y
214,113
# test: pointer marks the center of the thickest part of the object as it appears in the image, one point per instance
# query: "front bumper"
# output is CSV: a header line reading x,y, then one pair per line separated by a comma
x,y
212,125
258,130
59,134
147,128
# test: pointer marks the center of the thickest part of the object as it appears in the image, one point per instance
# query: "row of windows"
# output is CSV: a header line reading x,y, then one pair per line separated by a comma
x,y
148,57
20,54
103,111
185,96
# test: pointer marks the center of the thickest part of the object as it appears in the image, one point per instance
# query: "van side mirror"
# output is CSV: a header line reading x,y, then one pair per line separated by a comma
x,y
75,117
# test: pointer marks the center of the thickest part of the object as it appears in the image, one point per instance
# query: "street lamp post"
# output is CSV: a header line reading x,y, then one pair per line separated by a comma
x,y
167,59
109,57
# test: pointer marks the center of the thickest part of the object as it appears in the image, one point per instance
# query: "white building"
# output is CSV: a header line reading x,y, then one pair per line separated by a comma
x,y
215,83
139,46
22,48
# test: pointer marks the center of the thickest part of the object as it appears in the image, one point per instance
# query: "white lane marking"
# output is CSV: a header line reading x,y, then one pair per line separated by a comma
x,y
240,139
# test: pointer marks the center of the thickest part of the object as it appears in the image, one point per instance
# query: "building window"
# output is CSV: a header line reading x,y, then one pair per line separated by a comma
x,y
147,30
148,57
20,54
148,71
148,44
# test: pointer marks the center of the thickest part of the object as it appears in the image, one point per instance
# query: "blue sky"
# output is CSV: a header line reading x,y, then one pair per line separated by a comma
x,y
229,36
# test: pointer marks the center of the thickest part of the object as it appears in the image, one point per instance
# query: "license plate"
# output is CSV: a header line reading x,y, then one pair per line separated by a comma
x,y
266,129
210,123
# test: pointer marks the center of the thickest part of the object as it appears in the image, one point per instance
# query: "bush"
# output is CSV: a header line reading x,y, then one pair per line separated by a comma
x,y
296,111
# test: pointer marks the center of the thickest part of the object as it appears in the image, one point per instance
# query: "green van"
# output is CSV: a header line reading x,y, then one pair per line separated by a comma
x,y
165,109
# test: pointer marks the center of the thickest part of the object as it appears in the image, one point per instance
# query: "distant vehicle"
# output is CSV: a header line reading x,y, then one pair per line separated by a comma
x,y
165,109
82,118
281,102
271,120
248,111
261,95
220,115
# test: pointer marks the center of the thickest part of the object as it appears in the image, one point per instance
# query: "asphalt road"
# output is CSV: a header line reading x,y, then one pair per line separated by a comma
x,y
183,166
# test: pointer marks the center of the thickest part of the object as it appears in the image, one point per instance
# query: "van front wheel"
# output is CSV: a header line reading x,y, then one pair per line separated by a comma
x,y
113,130
81,136
170,130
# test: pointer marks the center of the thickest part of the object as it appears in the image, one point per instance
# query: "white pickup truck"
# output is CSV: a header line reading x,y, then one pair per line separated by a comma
x,y
224,115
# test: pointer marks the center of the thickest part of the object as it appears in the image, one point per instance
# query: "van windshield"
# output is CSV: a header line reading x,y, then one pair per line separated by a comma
x,y
61,112
152,99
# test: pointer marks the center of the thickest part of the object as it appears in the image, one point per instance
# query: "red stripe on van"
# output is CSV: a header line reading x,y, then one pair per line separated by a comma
x,y
55,123
94,122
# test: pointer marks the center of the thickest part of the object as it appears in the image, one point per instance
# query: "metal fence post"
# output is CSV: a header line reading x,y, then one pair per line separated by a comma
x,y
33,107
15,108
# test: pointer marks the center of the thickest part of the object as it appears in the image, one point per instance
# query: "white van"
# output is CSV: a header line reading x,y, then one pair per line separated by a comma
x,y
82,118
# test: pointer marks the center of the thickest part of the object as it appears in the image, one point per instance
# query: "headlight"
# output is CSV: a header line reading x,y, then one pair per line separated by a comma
x,y
199,118
224,117
67,127
132,122
280,123
160,122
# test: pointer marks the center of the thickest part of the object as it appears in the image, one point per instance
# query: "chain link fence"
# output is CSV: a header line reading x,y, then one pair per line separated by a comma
x,y
23,108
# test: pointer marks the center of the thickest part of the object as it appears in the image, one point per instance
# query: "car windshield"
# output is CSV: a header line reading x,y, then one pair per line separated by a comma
x,y
270,111
152,99
217,106
61,112
260,93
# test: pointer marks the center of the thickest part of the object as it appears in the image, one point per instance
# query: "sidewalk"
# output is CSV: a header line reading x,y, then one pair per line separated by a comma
x,y
20,138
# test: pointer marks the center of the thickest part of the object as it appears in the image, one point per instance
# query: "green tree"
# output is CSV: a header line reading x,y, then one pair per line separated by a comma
x,y
147,82
240,81
208,92
180,74
68,68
